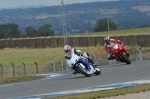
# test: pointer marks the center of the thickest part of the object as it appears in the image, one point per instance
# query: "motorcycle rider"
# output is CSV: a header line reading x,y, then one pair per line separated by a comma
x,y
68,50
109,43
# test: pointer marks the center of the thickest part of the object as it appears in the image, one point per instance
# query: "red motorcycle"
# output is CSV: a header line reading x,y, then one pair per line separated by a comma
x,y
121,53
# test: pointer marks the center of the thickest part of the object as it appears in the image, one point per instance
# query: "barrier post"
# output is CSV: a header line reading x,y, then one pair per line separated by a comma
x,y
140,54
36,67
13,69
2,74
62,65
24,65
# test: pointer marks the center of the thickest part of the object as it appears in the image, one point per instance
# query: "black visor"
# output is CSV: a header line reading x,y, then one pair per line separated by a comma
x,y
66,51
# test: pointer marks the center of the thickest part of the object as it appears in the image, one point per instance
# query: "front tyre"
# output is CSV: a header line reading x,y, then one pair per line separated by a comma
x,y
126,59
83,70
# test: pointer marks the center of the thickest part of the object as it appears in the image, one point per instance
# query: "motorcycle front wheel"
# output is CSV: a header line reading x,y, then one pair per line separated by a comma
x,y
126,59
83,70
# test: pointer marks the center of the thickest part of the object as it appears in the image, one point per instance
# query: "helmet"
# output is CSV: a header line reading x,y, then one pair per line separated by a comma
x,y
106,39
67,48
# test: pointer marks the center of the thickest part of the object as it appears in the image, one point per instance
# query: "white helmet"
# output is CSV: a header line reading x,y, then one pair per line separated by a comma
x,y
106,39
67,49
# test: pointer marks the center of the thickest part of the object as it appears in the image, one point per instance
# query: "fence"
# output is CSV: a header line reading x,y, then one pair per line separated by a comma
x,y
53,42
37,68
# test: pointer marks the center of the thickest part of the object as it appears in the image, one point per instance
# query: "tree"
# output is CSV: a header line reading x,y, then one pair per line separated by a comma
x,y
9,31
3,30
13,31
31,32
45,30
104,24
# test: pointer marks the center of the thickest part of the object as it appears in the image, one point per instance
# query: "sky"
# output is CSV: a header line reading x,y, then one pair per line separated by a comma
x,y
24,3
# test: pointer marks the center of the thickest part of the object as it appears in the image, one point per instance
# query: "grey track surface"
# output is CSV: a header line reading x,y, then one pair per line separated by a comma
x,y
110,75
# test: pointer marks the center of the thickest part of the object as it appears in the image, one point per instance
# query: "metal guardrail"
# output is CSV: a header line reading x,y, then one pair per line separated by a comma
x,y
54,67
140,54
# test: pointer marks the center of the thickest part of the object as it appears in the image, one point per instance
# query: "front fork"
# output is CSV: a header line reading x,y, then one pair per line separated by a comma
x,y
126,52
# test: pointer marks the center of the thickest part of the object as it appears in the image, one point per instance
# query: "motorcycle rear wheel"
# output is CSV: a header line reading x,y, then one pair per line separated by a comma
x,y
98,72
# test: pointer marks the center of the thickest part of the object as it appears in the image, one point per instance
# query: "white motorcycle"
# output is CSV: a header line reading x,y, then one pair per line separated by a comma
x,y
81,65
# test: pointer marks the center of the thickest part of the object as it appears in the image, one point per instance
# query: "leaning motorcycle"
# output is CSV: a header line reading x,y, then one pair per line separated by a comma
x,y
81,65
121,53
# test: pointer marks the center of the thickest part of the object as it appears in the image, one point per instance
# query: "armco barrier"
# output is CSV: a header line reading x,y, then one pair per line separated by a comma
x,y
53,42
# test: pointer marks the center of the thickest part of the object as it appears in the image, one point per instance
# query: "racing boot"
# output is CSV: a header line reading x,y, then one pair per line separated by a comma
x,y
92,62
113,57
74,71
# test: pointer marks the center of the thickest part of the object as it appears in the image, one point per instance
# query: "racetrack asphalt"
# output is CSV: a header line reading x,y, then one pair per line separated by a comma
x,y
110,75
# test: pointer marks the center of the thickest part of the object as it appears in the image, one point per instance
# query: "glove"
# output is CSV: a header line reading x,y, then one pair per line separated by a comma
x,y
78,52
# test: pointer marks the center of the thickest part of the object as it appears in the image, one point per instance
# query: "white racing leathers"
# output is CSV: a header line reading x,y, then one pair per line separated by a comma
x,y
81,65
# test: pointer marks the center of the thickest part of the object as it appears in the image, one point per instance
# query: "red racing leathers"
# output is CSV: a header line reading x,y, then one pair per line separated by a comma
x,y
108,47
111,44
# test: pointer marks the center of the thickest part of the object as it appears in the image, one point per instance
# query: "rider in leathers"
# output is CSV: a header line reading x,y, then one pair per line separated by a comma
x,y
68,49
109,43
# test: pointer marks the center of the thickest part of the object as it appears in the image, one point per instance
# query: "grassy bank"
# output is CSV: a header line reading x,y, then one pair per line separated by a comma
x,y
120,32
107,93
10,80
42,56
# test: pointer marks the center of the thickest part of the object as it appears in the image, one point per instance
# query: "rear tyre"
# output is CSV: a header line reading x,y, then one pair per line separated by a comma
x,y
126,59
98,72
83,70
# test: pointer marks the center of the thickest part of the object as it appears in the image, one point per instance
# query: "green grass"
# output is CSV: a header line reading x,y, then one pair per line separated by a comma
x,y
119,32
106,93
43,56
29,56
10,80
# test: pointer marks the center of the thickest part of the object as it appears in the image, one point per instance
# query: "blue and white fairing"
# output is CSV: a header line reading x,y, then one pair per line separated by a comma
x,y
72,58
84,62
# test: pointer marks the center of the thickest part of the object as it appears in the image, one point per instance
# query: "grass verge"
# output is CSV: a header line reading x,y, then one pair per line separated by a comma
x,y
107,93
132,31
10,80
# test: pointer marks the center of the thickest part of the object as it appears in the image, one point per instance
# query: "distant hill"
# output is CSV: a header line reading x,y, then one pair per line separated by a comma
x,y
82,17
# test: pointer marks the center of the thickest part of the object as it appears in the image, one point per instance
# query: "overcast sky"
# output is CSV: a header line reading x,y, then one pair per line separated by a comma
x,y
22,3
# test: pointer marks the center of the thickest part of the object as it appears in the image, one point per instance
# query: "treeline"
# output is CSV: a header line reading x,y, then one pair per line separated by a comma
x,y
12,31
